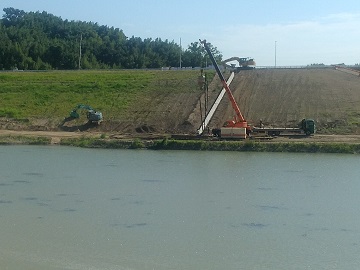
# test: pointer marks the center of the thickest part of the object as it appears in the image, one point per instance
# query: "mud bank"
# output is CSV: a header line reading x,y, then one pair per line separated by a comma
x,y
294,146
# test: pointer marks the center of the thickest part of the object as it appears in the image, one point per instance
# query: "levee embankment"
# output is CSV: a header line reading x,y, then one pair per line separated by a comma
x,y
168,102
282,97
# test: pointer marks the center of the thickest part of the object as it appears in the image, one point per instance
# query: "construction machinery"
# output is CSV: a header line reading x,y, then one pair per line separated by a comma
x,y
92,115
244,63
237,128
305,127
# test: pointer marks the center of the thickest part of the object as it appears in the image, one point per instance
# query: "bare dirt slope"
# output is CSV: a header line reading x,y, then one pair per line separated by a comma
x,y
282,97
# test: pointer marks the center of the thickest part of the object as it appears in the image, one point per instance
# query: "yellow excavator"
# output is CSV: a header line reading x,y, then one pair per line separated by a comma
x,y
244,63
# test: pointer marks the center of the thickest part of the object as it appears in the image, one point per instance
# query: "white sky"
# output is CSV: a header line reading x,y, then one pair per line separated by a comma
x,y
306,31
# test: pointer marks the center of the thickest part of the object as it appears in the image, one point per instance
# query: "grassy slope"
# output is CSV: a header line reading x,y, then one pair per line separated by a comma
x,y
54,94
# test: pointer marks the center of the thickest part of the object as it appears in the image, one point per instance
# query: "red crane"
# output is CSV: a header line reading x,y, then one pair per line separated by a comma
x,y
239,121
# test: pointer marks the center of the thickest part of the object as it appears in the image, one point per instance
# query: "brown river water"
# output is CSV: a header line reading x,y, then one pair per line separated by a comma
x,y
73,208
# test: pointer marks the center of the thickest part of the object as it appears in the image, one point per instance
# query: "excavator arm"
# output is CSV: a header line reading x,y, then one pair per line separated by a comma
x,y
92,115
243,62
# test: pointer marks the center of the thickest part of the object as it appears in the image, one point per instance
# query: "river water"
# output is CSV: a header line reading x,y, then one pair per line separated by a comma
x,y
72,208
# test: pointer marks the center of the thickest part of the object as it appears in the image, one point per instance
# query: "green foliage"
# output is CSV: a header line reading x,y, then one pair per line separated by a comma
x,y
169,144
10,113
4,140
196,55
89,142
42,41
137,144
53,94
353,120
253,146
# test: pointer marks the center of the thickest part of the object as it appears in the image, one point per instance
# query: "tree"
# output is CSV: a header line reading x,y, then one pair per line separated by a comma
x,y
39,40
12,16
196,55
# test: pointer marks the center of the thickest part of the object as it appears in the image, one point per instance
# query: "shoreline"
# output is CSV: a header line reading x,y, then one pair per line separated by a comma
x,y
346,144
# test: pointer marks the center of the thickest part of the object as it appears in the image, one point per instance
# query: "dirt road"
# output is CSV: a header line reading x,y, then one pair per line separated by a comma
x,y
56,136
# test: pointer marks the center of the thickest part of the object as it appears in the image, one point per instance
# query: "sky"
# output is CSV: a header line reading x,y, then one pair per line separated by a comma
x,y
288,33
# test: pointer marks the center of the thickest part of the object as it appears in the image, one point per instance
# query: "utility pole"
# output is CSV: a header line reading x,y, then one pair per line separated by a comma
x,y
80,51
180,54
275,53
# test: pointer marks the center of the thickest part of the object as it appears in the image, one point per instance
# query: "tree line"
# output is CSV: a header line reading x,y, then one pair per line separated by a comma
x,y
42,41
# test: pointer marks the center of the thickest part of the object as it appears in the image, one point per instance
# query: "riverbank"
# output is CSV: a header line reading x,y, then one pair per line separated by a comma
x,y
243,146
349,144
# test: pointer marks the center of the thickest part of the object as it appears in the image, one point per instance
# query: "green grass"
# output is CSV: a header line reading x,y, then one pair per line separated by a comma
x,y
241,146
54,94
169,144
252,146
5,140
353,119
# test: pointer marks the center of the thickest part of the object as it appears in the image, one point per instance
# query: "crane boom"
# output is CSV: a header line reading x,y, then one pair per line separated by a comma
x,y
240,120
